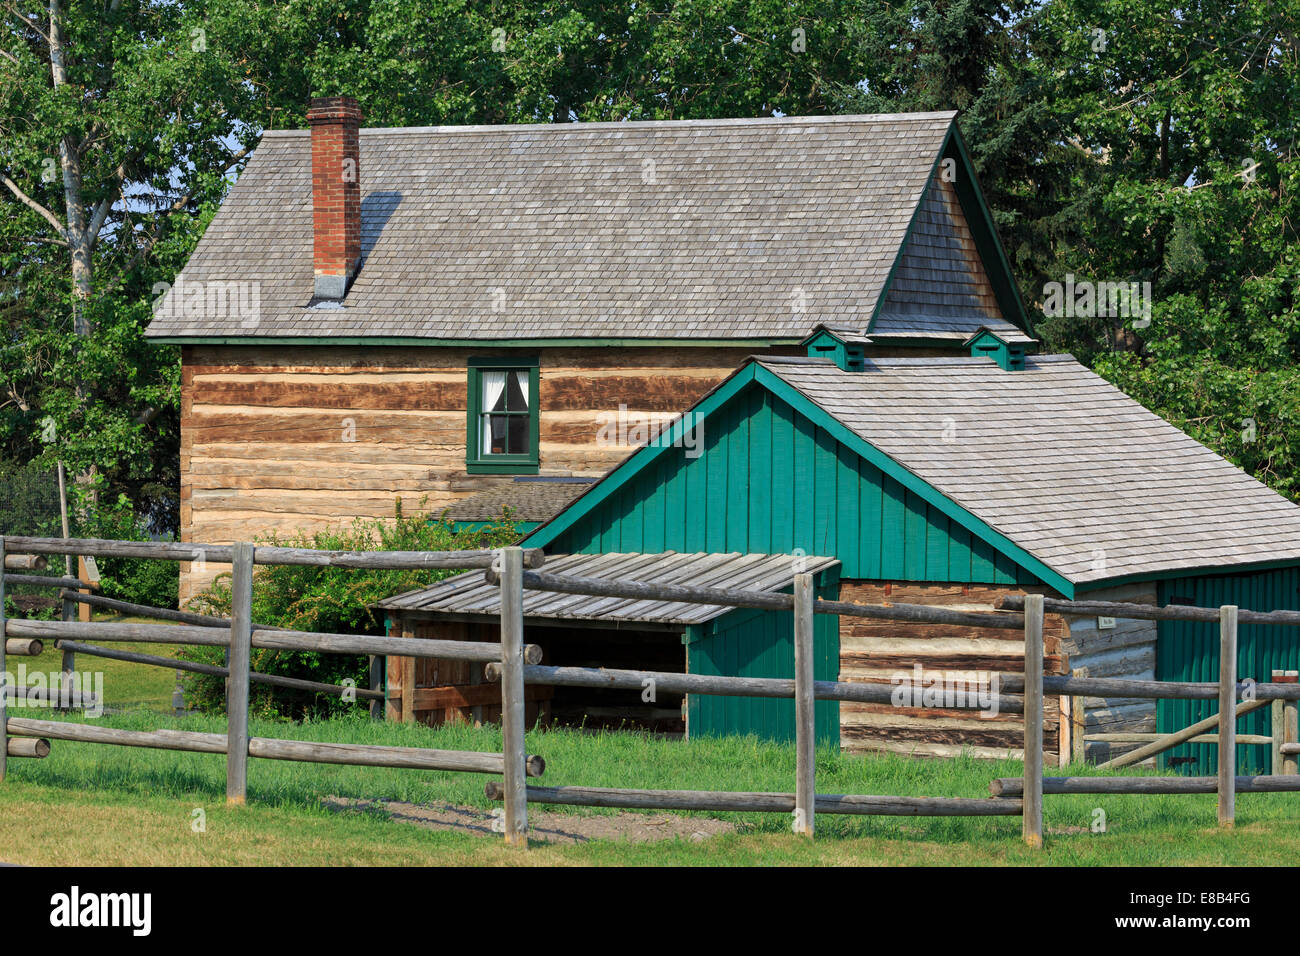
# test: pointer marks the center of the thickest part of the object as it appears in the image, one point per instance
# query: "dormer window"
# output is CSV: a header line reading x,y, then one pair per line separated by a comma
x,y
503,420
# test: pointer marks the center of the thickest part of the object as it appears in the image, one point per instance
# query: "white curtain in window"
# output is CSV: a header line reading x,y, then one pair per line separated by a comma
x,y
494,384
522,379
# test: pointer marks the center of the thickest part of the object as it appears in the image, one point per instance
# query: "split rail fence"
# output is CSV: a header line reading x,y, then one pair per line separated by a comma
x,y
515,664
25,737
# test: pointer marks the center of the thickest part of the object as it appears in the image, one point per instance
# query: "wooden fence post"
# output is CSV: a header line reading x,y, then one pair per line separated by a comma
x,y
1078,720
4,683
1290,733
376,683
1227,714
1032,821
512,696
1277,727
68,660
241,633
805,790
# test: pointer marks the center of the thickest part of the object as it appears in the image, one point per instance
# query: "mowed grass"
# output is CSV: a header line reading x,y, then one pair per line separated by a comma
x,y
92,804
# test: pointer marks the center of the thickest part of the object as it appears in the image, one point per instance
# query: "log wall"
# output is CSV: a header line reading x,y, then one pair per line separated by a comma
x,y
876,651
277,439
1127,650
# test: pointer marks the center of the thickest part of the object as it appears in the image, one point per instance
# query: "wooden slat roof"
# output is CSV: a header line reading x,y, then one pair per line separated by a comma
x,y
703,229
1058,460
468,594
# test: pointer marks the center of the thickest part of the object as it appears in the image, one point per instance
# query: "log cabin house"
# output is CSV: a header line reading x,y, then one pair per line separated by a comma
x,y
455,313
458,313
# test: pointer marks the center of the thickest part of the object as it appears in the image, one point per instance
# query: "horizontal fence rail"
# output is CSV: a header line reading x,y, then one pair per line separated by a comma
x,y
762,600
1271,783
739,802
213,670
42,581
265,554
1149,612
206,636
721,686
362,755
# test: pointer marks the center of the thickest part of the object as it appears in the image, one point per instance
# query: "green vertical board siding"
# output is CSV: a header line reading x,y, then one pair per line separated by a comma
x,y
752,643
769,481
1190,652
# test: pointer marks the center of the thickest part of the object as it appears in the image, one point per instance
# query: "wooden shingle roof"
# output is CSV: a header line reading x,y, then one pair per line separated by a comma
x,y
469,595
714,229
1059,461
526,500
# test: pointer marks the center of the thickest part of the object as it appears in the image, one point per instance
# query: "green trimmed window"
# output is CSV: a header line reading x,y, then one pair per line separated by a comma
x,y
502,427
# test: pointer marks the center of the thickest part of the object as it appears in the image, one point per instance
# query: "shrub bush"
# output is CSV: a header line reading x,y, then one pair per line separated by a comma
x,y
327,599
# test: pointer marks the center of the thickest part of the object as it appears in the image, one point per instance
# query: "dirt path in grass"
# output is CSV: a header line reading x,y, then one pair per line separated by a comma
x,y
543,825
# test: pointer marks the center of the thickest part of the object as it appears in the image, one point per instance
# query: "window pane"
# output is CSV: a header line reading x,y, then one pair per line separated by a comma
x,y
494,391
514,397
495,433
518,434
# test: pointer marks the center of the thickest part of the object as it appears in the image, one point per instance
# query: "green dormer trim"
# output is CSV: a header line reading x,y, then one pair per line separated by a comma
x,y
987,344
849,356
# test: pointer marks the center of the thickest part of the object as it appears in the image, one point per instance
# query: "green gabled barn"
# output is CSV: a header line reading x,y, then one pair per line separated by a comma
x,y
949,481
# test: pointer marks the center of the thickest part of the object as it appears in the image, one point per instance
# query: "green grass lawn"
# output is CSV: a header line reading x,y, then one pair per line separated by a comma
x,y
90,804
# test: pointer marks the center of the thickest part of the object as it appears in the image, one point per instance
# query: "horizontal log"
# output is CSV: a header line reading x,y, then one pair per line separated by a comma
x,y
212,670
724,800
26,562
393,646
34,747
24,647
721,686
1121,738
361,755
264,554
366,755
763,600
94,734
41,581
1122,687
119,631
203,636
1288,749
1149,612
1014,786
159,613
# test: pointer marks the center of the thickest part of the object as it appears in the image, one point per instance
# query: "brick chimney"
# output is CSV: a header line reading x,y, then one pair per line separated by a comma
x,y
335,193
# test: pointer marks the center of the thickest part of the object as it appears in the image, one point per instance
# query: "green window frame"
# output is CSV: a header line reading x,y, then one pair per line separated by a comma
x,y
481,461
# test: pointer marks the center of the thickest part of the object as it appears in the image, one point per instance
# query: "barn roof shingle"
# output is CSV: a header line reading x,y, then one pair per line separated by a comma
x,y
658,230
1059,461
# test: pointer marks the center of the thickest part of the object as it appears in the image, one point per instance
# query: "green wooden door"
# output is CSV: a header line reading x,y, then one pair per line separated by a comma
x,y
752,643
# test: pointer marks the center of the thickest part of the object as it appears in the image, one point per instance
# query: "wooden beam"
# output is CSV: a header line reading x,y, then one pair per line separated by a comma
x,y
1149,612
805,717
763,600
739,802
512,696
241,632
1032,818
1014,786
224,554
1227,715
26,562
